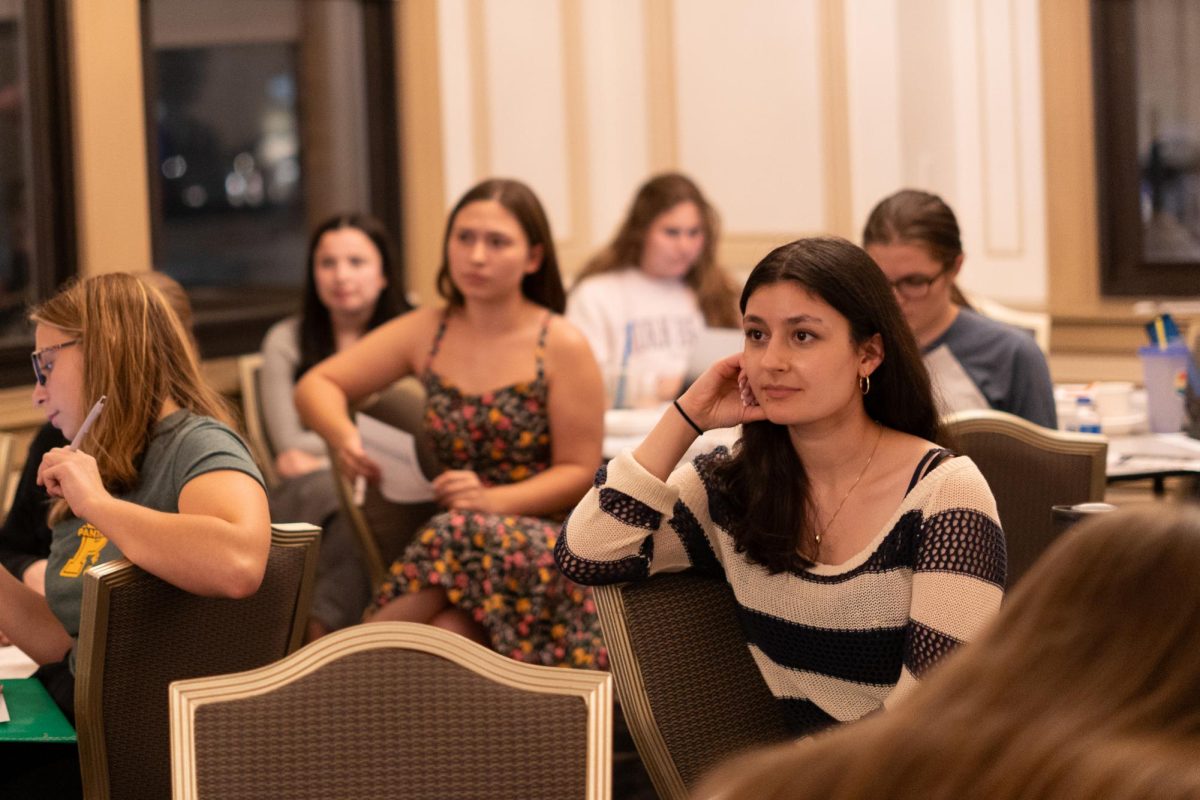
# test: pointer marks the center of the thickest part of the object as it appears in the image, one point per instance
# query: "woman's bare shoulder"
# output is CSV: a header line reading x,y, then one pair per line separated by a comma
x,y
564,340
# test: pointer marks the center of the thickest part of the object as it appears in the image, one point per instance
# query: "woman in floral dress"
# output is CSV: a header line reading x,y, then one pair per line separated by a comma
x,y
515,409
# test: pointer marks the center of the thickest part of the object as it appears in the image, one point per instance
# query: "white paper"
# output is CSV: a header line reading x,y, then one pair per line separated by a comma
x,y
1152,452
395,451
15,664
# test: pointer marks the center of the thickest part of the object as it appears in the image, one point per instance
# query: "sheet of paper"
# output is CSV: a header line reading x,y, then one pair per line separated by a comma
x,y
396,453
1151,452
15,664
4,717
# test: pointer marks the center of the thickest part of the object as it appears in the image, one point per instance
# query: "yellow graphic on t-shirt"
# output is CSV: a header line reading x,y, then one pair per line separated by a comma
x,y
91,542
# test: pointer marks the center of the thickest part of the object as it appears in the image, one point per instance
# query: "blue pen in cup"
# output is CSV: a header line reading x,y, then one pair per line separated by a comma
x,y
623,375
87,423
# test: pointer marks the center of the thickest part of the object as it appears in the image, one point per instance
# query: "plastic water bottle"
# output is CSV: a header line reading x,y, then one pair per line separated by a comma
x,y
1087,420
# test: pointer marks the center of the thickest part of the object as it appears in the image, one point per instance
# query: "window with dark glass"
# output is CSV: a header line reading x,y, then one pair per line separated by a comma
x,y
1147,69
263,119
36,216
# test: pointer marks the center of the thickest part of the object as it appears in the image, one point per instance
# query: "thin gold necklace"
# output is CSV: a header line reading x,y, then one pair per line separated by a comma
x,y
846,497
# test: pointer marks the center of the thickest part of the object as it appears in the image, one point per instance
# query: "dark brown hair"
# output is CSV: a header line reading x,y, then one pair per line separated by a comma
x,y
543,287
1086,685
765,482
915,217
714,293
316,325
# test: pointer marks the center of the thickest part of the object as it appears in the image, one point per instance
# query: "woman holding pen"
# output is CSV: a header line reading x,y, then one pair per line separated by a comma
x,y
514,409
25,535
156,474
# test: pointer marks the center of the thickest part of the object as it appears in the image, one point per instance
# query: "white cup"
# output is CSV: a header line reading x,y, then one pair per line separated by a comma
x,y
1113,398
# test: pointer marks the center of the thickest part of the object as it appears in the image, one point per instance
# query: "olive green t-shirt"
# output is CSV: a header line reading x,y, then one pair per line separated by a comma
x,y
183,446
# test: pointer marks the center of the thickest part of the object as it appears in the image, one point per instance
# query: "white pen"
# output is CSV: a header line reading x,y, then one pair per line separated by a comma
x,y
87,423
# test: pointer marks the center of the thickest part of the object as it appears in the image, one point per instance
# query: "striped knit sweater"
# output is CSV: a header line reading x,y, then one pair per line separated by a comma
x,y
834,643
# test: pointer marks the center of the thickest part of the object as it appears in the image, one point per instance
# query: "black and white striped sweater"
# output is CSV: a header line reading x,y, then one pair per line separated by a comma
x,y
834,643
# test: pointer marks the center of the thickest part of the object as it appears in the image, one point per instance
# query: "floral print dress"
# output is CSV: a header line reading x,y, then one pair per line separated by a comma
x,y
499,568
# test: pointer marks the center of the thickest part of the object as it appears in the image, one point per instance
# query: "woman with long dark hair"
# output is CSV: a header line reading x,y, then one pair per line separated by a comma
x,y
515,413
1086,685
352,285
859,551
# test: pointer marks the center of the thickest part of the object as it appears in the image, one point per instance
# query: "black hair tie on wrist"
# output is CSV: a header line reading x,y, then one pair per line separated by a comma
x,y
687,419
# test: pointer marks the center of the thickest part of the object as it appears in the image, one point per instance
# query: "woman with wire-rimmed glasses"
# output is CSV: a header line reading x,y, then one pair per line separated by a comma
x,y
974,361
160,477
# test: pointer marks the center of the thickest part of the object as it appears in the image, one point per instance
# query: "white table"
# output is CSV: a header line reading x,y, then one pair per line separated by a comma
x,y
1152,455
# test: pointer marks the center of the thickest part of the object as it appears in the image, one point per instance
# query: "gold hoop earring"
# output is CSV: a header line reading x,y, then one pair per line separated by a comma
x,y
864,384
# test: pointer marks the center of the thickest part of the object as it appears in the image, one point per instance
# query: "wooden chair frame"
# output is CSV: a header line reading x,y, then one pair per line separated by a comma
x,y
593,687
1028,529
249,368
377,561
656,656
99,584
635,702
1054,441
7,482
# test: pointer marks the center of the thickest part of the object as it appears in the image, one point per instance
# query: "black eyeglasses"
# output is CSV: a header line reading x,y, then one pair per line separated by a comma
x,y
914,287
40,370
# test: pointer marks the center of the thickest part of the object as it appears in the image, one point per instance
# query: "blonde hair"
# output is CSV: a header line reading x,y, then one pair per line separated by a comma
x,y
136,351
176,297
714,292
1086,685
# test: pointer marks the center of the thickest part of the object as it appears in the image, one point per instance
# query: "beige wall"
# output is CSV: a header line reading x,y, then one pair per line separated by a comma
x,y
795,116
584,99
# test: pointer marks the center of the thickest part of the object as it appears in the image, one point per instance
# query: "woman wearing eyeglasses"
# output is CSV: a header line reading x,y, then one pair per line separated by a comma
x,y
974,361
160,478
25,535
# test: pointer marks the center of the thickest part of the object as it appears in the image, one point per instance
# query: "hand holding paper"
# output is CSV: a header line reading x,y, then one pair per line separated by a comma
x,y
353,459
395,452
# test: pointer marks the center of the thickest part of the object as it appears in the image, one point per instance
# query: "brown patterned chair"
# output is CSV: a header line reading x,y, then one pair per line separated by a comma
x,y
385,528
688,687
139,633
1029,469
393,708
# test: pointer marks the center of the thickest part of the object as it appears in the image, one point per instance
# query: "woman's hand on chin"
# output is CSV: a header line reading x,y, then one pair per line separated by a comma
x,y
718,399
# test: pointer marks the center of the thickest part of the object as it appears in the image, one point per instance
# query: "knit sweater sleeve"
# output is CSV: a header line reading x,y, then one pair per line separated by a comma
x,y
631,525
958,577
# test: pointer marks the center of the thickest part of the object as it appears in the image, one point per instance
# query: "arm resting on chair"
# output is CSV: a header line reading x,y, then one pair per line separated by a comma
x,y
630,524
216,545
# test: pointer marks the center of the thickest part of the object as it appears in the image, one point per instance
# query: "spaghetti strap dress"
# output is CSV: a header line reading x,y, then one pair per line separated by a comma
x,y
499,568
